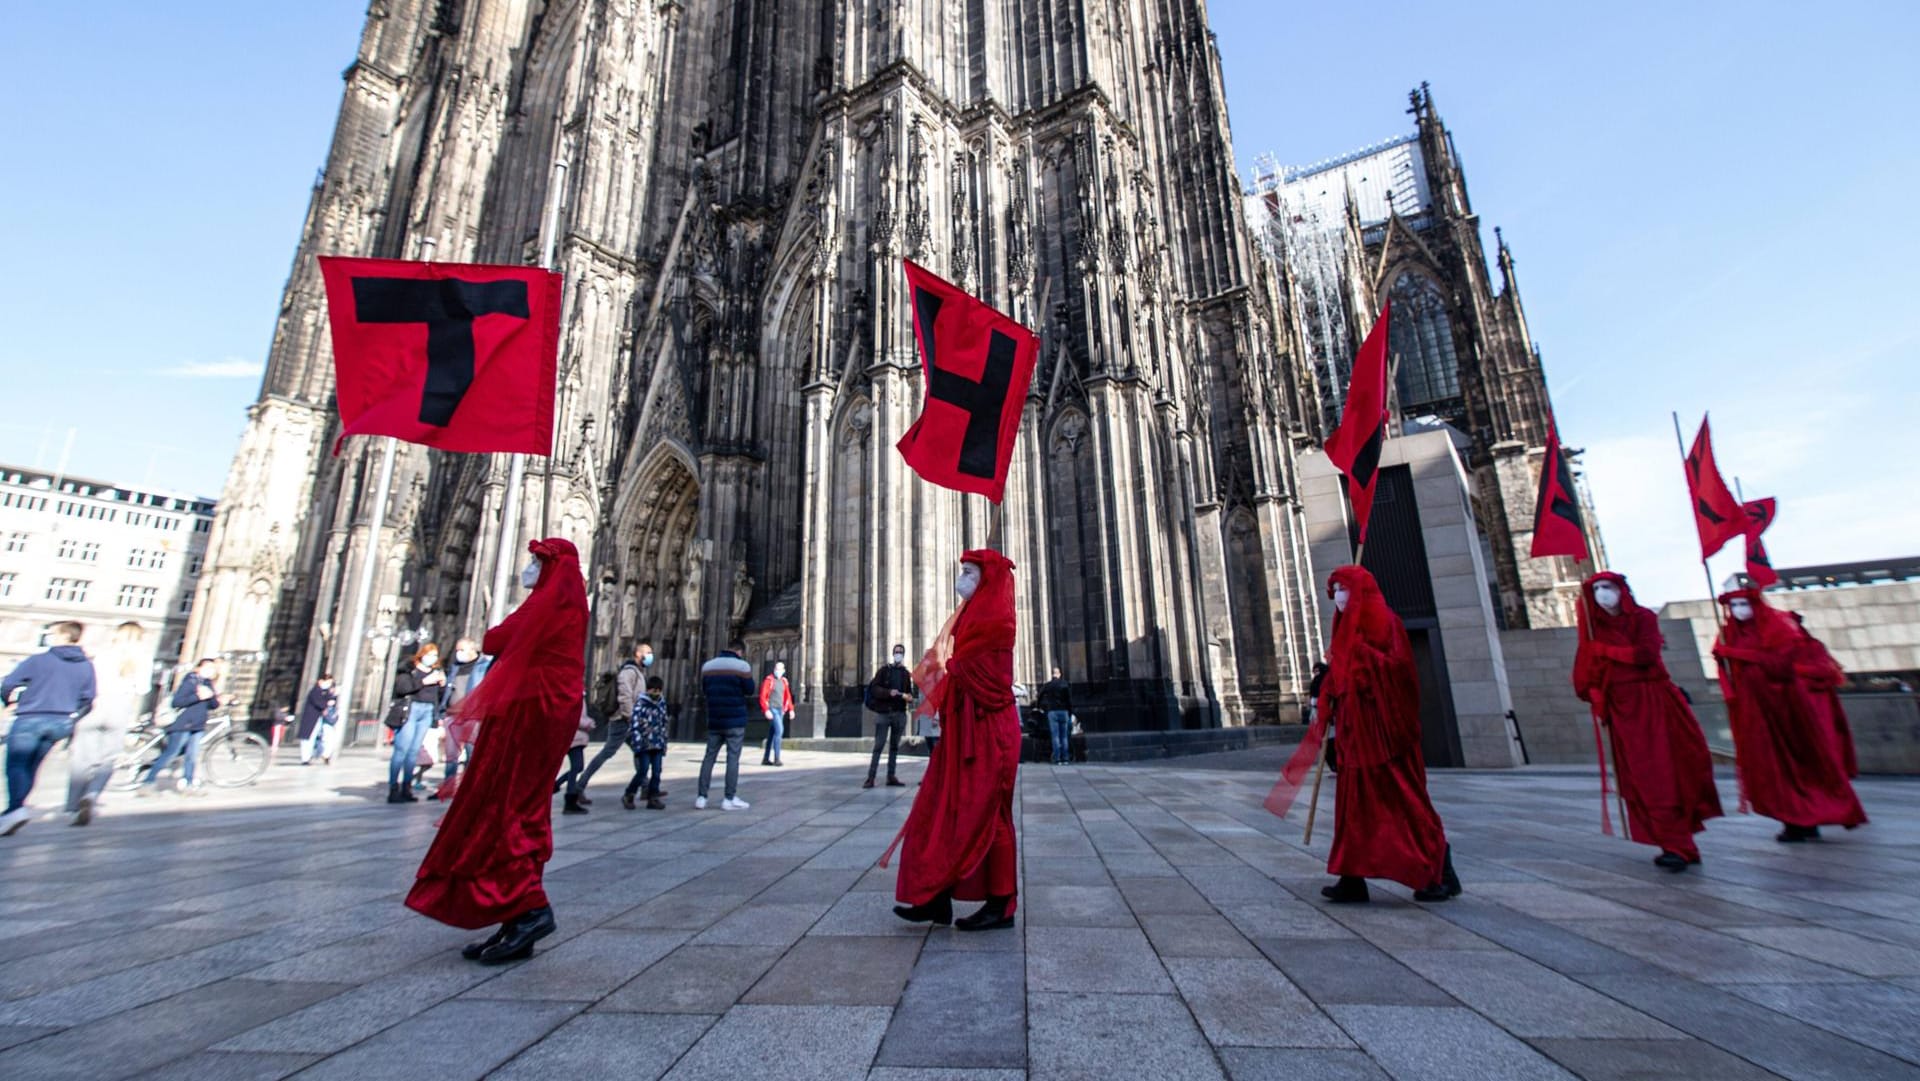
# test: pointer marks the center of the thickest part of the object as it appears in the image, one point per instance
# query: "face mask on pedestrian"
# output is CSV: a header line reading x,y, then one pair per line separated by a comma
x,y
530,576
1608,595
1741,608
780,671
1341,595
646,659
968,581
899,656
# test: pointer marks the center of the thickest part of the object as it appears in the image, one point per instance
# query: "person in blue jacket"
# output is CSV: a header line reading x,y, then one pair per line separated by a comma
x,y
54,689
196,697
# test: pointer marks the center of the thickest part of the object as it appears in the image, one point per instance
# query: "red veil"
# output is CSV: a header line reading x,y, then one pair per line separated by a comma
x,y
484,865
1370,672
963,812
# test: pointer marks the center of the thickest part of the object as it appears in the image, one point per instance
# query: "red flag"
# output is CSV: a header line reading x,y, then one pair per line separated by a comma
x,y
1716,513
449,355
978,364
1759,515
1355,446
1557,528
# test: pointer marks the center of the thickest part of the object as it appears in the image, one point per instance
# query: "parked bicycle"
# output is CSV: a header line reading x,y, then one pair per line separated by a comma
x,y
229,757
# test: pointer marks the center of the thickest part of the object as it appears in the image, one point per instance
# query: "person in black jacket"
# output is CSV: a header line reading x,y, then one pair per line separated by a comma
x,y
889,694
1056,699
421,683
195,698
317,720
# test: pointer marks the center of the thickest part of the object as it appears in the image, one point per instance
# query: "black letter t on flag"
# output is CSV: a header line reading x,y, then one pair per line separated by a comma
x,y
448,306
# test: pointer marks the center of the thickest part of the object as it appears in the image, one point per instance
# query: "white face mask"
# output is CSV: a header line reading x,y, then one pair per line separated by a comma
x,y
1341,596
899,656
1608,595
530,576
1741,608
780,671
968,581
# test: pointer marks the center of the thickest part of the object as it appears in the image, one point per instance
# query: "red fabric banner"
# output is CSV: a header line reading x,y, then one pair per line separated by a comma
x,y
1557,526
1717,515
457,356
1759,515
978,365
1355,446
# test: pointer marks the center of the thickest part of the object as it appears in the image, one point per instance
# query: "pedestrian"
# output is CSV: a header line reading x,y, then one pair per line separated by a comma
x,y
647,735
727,683
958,842
420,683
1789,765
1384,825
1823,678
1660,756
193,700
456,732
123,674
576,761
487,860
319,713
776,701
1056,698
889,694
53,689
629,687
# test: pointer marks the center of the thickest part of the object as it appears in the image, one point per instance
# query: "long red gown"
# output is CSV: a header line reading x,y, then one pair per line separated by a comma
x,y
1665,771
484,866
960,835
1790,768
1823,676
1384,825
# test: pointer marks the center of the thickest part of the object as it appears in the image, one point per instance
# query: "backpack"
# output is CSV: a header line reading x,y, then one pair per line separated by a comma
x,y
605,699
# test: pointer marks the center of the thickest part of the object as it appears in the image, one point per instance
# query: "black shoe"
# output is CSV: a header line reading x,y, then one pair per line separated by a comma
x,y
1447,878
1671,861
938,911
655,805
582,797
895,782
766,761
626,800
992,916
433,796
572,806
1350,890
869,783
407,796
1433,894
393,794
1793,835
777,762
472,950
520,936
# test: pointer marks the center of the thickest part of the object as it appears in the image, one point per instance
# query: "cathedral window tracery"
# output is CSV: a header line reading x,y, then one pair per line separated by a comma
x,y
1421,341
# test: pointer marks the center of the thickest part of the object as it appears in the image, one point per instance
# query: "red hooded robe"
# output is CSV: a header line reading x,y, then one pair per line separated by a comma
x,y
1665,769
1384,826
1790,768
959,835
1823,676
485,864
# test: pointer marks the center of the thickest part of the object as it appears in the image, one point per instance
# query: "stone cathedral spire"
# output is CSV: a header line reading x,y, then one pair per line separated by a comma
x,y
736,182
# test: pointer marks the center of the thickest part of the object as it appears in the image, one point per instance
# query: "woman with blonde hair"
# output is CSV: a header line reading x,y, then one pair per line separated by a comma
x,y
124,669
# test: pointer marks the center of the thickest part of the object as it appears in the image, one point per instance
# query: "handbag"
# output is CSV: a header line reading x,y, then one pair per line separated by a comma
x,y
396,717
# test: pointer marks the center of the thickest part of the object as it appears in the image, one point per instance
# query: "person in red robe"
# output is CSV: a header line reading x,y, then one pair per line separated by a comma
x,y
958,842
1823,677
1665,771
1790,768
485,864
1384,826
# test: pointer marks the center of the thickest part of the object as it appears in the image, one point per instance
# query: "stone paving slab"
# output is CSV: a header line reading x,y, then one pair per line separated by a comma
x,y
1169,928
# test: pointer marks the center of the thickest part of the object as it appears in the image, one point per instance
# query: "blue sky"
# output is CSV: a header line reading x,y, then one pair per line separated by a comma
x,y
1709,203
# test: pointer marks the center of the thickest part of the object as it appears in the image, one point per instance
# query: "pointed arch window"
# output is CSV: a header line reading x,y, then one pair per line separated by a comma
x,y
1421,338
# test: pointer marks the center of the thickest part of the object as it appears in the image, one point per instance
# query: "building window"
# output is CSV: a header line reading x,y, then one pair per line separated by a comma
x,y
193,566
146,559
186,605
141,597
202,526
22,500
16,542
80,551
1421,341
7,579
68,590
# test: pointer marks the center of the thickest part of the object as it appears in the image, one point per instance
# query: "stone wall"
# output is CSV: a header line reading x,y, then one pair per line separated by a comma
x,y
1556,725
1872,628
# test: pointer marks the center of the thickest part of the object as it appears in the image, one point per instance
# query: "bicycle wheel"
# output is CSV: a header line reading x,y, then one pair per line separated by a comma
x,y
130,766
235,759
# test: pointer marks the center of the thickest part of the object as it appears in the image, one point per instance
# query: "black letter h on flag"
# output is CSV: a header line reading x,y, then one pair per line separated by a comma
x,y
984,401
448,307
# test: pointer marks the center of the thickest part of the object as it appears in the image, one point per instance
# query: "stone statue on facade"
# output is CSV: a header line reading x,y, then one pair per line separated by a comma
x,y
690,587
742,592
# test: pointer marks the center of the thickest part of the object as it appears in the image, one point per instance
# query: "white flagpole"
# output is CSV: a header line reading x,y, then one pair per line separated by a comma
x,y
517,467
353,643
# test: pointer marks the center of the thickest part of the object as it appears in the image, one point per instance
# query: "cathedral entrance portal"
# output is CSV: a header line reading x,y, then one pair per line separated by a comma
x,y
660,574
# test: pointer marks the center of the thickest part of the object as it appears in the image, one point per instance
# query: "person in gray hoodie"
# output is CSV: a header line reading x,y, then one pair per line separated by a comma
x,y
53,690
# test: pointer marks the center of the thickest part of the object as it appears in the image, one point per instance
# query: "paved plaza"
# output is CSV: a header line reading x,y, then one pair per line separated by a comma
x,y
1170,928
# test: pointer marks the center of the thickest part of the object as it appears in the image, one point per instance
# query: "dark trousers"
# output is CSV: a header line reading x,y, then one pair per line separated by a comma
x,y
646,773
731,739
33,735
887,729
616,739
576,758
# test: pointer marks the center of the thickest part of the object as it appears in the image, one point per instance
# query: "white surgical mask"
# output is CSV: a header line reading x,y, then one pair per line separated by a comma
x,y
1608,595
1741,608
968,581
899,655
646,661
780,670
1341,595
530,576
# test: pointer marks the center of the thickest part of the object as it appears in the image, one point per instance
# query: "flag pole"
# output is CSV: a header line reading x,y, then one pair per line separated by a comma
x,y
517,463
1712,596
350,647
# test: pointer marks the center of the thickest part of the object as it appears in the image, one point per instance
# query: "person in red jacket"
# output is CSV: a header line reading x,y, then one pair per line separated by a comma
x,y
1384,826
1789,766
959,838
1665,770
1823,677
776,701
486,861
